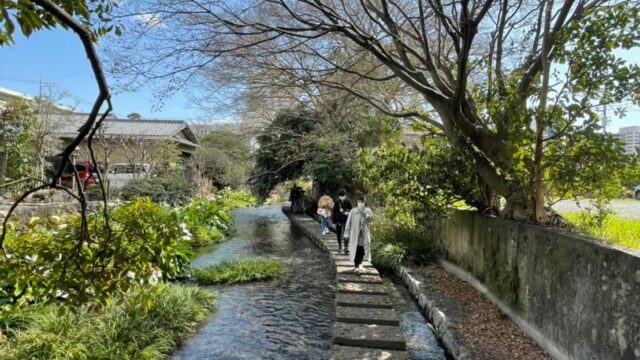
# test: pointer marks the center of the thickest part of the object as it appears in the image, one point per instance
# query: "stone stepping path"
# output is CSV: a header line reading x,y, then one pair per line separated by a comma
x,y
366,326
348,352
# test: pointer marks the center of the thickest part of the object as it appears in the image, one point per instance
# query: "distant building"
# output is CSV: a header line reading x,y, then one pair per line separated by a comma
x,y
630,135
202,129
116,130
7,96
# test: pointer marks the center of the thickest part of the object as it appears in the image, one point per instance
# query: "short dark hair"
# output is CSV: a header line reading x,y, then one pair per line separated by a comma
x,y
342,192
362,198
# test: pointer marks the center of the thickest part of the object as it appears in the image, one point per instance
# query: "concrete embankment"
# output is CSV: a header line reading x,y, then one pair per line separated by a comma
x,y
576,297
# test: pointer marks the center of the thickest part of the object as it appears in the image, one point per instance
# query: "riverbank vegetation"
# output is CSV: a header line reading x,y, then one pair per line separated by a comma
x,y
110,296
238,271
143,324
136,243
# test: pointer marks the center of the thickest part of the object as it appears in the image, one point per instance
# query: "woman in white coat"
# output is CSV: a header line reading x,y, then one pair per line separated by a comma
x,y
357,232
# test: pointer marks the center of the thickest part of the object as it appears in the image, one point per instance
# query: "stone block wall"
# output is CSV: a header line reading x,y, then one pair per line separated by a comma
x,y
580,294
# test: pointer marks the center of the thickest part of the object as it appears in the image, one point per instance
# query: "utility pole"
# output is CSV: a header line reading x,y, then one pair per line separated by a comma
x,y
605,121
43,118
42,84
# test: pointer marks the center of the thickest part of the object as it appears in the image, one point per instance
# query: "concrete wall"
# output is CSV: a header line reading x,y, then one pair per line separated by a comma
x,y
580,294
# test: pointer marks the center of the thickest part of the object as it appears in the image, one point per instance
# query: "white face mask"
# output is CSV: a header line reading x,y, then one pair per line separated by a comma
x,y
360,205
342,198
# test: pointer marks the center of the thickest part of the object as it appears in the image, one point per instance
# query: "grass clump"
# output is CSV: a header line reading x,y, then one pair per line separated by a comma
x,y
614,229
143,325
240,270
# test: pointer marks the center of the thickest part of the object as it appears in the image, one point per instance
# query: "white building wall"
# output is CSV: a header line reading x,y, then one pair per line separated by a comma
x,y
630,135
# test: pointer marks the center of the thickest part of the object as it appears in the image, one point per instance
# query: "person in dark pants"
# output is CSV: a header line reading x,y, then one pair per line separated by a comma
x,y
296,196
357,230
340,213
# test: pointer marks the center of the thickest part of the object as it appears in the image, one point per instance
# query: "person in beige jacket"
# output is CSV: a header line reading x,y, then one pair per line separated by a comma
x,y
357,231
325,206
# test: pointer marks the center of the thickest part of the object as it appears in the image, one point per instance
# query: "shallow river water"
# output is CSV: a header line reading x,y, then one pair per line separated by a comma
x,y
288,318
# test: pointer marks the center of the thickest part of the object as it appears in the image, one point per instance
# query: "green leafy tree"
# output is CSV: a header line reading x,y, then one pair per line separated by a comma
x,y
17,158
492,76
321,143
31,18
134,116
420,182
281,155
224,158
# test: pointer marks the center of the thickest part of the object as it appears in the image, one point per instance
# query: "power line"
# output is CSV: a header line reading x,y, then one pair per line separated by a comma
x,y
23,80
46,84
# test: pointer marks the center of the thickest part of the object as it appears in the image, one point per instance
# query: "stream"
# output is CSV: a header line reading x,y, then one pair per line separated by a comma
x,y
287,318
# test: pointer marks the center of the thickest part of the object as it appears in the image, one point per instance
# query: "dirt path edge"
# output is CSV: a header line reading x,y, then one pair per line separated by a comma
x,y
444,329
549,347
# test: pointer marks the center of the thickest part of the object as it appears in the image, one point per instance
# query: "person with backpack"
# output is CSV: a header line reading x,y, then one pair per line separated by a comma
x,y
341,209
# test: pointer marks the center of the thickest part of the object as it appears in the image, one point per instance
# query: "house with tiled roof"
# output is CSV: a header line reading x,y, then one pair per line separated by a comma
x,y
122,143
115,129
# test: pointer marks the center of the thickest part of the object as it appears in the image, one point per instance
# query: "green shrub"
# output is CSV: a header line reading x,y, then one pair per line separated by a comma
x,y
241,270
170,189
394,244
93,193
137,326
145,242
45,260
231,199
207,220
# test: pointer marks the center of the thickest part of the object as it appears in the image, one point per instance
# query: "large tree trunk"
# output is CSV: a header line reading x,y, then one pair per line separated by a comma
x,y
515,194
537,173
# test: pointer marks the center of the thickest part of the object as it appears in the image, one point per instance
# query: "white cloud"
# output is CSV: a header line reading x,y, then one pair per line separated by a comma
x,y
151,19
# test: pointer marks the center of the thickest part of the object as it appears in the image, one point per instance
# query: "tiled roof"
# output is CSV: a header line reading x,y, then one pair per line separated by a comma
x,y
147,129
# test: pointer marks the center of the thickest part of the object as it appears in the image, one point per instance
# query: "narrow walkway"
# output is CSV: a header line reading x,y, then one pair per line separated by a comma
x,y
366,326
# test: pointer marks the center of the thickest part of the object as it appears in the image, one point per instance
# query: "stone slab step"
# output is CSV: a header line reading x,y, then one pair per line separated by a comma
x,y
340,257
349,263
371,336
361,288
349,270
339,352
357,300
356,315
373,279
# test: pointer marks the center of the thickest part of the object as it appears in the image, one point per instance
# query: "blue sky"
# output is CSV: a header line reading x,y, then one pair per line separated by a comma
x,y
56,56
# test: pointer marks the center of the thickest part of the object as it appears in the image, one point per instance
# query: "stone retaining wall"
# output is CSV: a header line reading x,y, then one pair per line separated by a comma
x,y
25,211
579,298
